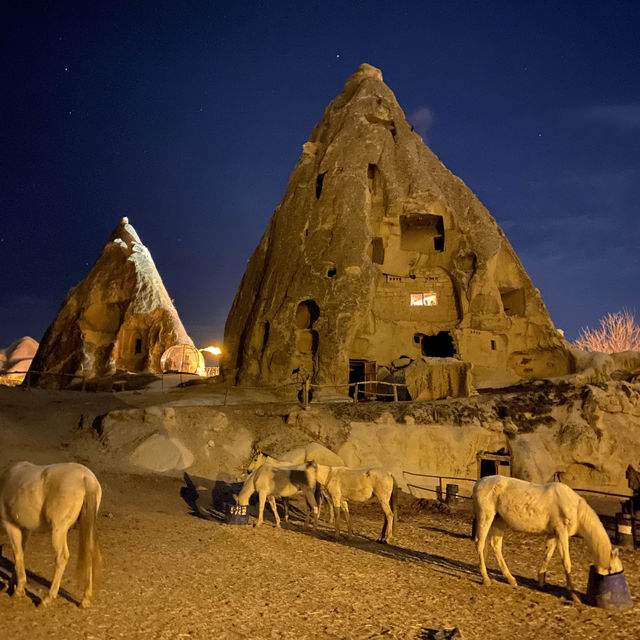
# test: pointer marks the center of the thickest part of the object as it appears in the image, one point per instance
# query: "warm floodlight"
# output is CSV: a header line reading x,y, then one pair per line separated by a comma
x,y
216,351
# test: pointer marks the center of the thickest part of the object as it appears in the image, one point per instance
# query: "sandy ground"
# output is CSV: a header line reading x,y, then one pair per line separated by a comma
x,y
169,574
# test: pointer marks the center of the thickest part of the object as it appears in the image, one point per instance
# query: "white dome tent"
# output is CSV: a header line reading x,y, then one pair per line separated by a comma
x,y
182,358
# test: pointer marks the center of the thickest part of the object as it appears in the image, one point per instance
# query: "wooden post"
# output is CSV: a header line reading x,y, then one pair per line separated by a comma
x,y
84,383
355,392
306,393
395,393
442,496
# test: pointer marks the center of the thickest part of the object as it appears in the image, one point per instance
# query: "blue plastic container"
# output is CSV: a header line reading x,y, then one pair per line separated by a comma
x,y
609,591
236,513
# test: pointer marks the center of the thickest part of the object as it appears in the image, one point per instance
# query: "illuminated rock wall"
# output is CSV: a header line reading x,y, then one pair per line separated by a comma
x,y
119,318
370,221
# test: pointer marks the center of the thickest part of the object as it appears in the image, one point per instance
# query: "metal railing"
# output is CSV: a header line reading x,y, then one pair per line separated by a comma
x,y
440,491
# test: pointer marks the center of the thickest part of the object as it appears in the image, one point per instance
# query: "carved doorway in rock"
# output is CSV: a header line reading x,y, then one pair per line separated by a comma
x,y
362,371
494,464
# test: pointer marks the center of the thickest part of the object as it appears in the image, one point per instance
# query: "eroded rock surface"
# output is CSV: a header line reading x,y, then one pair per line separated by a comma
x,y
376,252
119,318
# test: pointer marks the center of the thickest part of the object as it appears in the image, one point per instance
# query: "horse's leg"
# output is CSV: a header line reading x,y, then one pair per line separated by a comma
x,y
59,541
312,507
336,518
551,547
387,527
563,547
497,535
274,508
262,498
347,516
483,525
15,535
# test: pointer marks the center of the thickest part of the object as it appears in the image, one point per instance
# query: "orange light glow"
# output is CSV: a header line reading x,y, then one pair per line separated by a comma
x,y
216,351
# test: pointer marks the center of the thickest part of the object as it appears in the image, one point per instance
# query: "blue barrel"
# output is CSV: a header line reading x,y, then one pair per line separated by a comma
x,y
236,513
609,591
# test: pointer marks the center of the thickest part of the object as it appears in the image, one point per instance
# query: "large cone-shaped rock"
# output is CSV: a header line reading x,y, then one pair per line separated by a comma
x,y
119,318
377,251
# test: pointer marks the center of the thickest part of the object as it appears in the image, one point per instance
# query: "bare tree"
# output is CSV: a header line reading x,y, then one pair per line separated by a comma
x,y
618,331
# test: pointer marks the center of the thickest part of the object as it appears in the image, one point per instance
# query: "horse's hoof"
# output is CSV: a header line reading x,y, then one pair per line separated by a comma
x,y
486,582
46,601
575,598
85,603
512,582
18,593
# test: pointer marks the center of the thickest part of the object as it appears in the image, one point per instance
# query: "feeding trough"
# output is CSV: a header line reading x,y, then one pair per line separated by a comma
x,y
236,513
608,591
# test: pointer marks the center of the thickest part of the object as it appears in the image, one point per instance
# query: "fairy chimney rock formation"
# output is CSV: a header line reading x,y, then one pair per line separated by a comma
x,y
377,251
119,318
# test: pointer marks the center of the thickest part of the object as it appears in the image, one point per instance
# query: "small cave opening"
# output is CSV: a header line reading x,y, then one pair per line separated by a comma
x,y
373,177
331,272
306,314
265,337
438,346
376,251
138,347
422,232
513,301
319,183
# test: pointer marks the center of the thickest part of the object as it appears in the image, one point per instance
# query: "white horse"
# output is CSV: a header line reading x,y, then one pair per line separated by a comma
x,y
553,509
52,497
359,485
271,482
322,472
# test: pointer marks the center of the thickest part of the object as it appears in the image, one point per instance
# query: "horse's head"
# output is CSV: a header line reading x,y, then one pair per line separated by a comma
x,y
258,460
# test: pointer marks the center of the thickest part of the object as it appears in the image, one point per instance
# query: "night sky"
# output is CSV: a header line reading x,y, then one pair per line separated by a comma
x,y
188,117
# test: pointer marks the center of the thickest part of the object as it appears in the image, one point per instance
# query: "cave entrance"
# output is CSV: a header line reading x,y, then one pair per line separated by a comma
x,y
494,464
362,371
438,346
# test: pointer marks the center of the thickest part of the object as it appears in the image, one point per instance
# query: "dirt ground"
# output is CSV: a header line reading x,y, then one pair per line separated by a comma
x,y
169,574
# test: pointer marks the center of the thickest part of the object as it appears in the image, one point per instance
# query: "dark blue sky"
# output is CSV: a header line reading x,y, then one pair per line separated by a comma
x,y
188,117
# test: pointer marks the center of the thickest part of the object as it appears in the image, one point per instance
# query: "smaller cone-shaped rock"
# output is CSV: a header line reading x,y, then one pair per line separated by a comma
x,y
376,252
119,318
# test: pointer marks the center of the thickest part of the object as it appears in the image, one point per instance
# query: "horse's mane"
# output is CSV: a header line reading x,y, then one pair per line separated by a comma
x,y
595,535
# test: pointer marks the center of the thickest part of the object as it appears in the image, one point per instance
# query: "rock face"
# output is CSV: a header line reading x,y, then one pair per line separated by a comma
x,y
120,317
18,355
15,360
377,251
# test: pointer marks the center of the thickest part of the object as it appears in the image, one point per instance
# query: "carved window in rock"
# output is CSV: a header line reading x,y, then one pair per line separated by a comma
x,y
429,299
306,337
138,345
376,251
438,346
513,301
423,232
306,314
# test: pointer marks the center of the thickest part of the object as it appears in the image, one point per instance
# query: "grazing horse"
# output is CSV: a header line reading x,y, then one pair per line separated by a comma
x,y
553,509
322,472
52,497
271,482
344,484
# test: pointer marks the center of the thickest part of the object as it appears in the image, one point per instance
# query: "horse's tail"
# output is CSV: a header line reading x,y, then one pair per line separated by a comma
x,y
89,557
394,505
